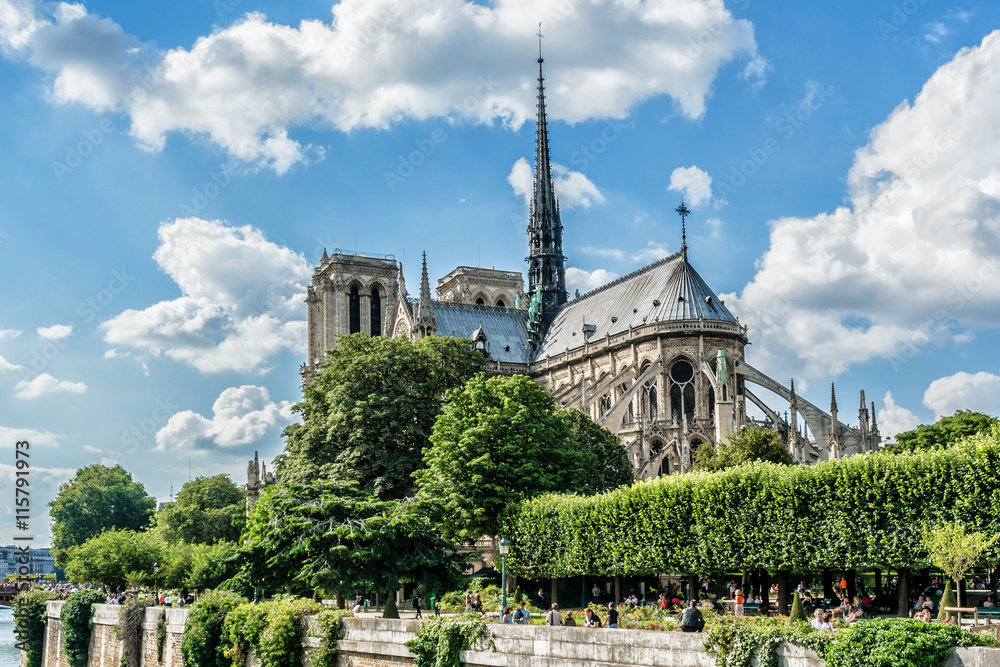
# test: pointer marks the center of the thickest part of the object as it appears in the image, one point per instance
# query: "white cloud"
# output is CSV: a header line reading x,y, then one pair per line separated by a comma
x,y
964,391
935,31
9,333
756,72
652,252
8,436
578,279
56,331
8,366
694,183
572,188
714,227
241,417
242,300
44,384
379,62
45,483
913,258
894,418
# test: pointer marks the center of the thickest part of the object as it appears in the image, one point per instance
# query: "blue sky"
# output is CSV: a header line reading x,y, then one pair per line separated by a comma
x,y
171,173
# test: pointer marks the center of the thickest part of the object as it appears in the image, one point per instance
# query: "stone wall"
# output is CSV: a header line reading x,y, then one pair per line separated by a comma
x,y
376,642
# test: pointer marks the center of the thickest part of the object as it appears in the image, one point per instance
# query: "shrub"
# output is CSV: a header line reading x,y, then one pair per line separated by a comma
x,y
77,622
202,645
797,613
899,642
440,640
281,642
29,612
948,599
390,610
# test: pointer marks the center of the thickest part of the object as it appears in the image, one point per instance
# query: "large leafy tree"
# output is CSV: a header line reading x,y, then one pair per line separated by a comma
x,y
207,510
367,414
955,550
945,432
98,498
499,439
748,444
605,460
115,557
332,536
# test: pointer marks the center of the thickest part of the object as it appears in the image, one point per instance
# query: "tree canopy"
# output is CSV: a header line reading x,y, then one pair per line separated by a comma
x,y
500,439
331,536
955,550
207,510
605,460
98,498
367,414
945,432
116,558
744,446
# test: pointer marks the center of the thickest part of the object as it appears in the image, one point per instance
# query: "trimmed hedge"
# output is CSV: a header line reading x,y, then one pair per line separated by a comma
x,y
859,512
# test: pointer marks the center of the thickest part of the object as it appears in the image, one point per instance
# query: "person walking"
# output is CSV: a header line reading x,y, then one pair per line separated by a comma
x,y
738,607
416,605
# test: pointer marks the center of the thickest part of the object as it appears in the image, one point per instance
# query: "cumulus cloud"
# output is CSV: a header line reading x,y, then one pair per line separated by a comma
x,y
45,483
894,418
964,391
572,188
242,300
652,252
694,183
8,366
912,260
44,384
578,279
8,436
248,85
56,331
241,417
613,253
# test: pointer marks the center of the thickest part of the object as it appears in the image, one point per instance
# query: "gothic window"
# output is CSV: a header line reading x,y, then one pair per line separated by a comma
x,y
675,402
682,399
480,302
630,411
355,308
689,401
711,402
376,313
501,304
605,405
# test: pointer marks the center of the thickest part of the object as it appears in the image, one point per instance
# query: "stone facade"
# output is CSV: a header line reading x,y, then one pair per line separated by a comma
x,y
376,642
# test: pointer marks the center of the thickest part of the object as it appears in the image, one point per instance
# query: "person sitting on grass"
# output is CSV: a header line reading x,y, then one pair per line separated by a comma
x,y
590,619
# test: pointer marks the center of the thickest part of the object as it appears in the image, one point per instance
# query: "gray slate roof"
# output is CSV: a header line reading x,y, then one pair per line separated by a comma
x,y
505,328
632,301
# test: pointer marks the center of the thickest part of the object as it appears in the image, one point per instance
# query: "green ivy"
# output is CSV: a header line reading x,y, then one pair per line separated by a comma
x,y
899,642
734,641
329,629
440,640
242,630
272,630
758,516
77,621
202,645
30,618
161,635
131,618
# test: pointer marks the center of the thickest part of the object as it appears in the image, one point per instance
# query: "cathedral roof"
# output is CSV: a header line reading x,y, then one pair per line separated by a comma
x,y
667,290
505,328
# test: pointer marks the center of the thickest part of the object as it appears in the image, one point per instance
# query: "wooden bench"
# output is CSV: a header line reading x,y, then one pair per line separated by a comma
x,y
958,611
755,608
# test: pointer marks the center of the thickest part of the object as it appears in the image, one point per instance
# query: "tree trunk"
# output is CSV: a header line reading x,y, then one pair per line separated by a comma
x,y
904,593
618,589
745,582
828,584
961,591
878,582
852,584
555,591
692,587
765,593
783,593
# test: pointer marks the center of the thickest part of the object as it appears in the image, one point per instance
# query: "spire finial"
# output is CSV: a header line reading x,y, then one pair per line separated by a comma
x,y
684,212
539,33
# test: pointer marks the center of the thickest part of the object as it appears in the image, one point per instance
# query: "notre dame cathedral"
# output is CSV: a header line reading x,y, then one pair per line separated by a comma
x,y
655,356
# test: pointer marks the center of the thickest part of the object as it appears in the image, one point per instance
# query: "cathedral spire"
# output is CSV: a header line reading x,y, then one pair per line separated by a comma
x,y
426,324
684,212
546,270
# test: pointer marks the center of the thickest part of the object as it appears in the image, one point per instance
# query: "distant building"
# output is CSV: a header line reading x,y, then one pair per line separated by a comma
x,y
41,561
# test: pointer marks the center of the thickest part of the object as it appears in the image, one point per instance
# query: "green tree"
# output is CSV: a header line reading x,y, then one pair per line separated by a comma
x,y
331,536
498,439
207,510
606,461
112,557
945,431
748,444
96,499
367,414
954,551
213,564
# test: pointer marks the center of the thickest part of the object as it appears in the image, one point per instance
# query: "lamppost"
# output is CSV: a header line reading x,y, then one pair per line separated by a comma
x,y
504,550
156,585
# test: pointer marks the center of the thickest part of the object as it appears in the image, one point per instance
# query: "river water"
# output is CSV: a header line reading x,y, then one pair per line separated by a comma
x,y
9,656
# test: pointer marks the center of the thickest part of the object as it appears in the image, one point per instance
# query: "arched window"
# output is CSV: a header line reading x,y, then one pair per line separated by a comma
x,y
355,314
675,402
711,402
501,304
682,390
604,406
376,313
480,302
689,401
